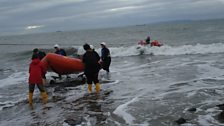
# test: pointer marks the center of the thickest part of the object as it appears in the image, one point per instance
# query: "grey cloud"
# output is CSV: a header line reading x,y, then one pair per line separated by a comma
x,y
15,16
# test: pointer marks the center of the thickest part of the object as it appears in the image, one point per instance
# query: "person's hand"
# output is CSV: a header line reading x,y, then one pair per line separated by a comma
x,y
100,61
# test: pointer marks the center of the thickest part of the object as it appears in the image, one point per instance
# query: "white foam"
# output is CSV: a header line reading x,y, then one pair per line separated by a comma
x,y
163,50
206,120
80,51
122,111
167,50
15,78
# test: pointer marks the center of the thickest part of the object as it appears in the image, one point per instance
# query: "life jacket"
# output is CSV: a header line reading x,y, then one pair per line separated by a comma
x,y
141,42
156,43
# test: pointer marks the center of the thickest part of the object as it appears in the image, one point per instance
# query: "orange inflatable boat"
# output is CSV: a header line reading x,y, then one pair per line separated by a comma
x,y
62,64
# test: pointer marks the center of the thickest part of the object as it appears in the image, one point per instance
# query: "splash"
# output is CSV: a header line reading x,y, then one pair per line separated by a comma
x,y
167,50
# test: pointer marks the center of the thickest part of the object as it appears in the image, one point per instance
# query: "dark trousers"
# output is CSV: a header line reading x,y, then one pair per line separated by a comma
x,y
92,77
32,87
106,64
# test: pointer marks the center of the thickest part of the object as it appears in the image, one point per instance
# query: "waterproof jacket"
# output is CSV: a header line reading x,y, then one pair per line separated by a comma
x,y
61,52
91,59
36,72
105,54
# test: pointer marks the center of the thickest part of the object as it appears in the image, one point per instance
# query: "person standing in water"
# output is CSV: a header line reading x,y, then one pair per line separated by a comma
x,y
105,57
35,78
59,50
147,40
40,55
91,62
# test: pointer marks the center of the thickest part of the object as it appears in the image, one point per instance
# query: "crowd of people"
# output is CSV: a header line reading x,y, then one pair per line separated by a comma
x,y
92,61
92,65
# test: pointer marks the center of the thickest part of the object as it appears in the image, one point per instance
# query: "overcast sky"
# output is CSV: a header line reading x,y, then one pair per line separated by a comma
x,y
30,16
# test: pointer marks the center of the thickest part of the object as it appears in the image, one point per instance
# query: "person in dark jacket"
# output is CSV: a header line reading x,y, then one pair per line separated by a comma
x,y
35,78
148,39
91,62
59,50
105,57
40,54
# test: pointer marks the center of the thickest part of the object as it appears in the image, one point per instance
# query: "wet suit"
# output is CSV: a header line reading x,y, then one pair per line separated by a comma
x,y
147,40
92,67
105,57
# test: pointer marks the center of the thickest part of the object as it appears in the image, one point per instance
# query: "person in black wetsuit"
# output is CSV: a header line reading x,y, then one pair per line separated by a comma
x,y
91,62
147,40
105,57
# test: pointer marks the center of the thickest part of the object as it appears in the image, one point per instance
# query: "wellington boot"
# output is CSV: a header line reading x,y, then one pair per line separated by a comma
x,y
89,88
97,87
30,99
44,97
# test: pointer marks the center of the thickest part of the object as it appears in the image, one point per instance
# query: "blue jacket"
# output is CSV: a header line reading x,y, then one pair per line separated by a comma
x,y
61,52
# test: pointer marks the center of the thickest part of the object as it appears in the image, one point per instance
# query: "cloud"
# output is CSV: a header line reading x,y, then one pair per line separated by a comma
x,y
53,15
33,27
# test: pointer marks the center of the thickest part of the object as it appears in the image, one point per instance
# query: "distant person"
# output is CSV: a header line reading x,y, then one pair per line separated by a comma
x,y
40,54
147,40
35,78
91,62
59,50
105,57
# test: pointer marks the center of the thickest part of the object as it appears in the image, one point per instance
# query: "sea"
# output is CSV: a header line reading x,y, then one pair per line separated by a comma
x,y
179,83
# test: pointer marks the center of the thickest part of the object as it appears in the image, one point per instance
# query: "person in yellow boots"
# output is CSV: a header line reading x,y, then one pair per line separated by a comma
x,y
91,62
35,78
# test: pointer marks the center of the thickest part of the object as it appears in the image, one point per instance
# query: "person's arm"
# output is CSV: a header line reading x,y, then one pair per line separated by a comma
x,y
64,52
83,58
42,71
97,56
29,69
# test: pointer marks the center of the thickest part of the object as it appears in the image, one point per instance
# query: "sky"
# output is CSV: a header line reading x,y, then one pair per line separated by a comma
x,y
34,16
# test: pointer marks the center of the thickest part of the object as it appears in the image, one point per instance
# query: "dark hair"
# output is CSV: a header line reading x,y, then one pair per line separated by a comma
x,y
35,56
86,46
35,50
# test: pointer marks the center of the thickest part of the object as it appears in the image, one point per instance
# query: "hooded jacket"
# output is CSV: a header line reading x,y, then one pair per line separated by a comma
x,y
36,72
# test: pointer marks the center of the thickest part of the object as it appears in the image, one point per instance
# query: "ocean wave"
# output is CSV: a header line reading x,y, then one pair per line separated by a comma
x,y
15,78
167,50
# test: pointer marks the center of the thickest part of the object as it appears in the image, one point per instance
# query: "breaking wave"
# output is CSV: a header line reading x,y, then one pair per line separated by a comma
x,y
167,50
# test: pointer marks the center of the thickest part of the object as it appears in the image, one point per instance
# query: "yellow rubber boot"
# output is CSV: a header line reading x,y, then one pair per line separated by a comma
x,y
30,99
44,97
89,88
97,87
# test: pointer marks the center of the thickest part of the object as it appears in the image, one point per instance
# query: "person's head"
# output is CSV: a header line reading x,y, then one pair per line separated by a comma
x,y
86,47
103,44
35,56
35,50
56,46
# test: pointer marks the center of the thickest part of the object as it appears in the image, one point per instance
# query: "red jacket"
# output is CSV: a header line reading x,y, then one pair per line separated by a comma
x,y
36,72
